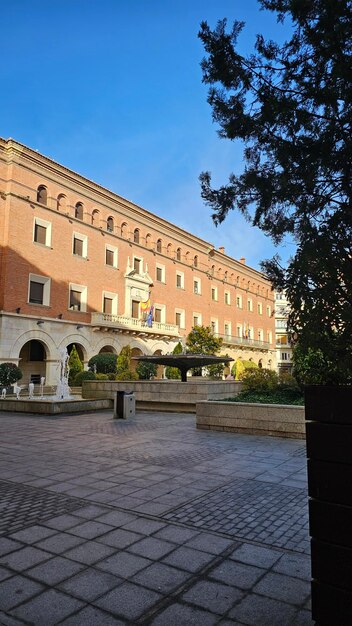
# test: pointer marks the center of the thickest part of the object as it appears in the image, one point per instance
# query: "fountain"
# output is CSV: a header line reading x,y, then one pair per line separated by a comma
x,y
184,361
63,391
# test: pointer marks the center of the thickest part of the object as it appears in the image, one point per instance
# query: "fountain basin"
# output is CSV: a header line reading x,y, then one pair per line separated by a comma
x,y
52,406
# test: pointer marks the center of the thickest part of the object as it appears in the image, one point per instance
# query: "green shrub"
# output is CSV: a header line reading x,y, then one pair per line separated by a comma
x,y
86,375
146,370
240,366
270,397
75,365
172,373
9,374
127,375
105,362
101,377
259,379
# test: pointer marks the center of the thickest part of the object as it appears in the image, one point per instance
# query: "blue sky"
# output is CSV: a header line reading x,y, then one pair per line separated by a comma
x,y
113,89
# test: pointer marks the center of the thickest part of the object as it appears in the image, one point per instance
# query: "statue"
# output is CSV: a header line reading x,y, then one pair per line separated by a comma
x,y
30,391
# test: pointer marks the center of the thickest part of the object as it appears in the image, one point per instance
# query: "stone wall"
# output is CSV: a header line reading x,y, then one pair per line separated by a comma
x,y
276,420
164,395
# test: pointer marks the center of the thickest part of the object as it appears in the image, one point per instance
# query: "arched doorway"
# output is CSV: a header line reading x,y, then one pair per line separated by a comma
x,y
32,361
107,349
79,349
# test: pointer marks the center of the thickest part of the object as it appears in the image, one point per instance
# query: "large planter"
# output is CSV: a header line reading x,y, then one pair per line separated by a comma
x,y
328,412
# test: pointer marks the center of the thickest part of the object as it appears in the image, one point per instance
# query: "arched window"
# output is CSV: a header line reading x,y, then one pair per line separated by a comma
x,y
124,230
148,240
225,275
95,218
169,249
178,254
110,224
42,194
195,261
79,211
212,271
159,245
61,202
136,235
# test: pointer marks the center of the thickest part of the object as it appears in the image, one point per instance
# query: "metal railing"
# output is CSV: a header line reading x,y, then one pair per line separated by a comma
x,y
243,341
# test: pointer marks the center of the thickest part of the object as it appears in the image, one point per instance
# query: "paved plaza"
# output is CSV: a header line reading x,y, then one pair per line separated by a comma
x,y
150,522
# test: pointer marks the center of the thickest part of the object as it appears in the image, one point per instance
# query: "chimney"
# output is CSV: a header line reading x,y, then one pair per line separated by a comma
x,y
243,260
222,249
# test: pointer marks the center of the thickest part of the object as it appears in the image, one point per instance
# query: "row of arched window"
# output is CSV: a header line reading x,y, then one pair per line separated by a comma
x,y
158,246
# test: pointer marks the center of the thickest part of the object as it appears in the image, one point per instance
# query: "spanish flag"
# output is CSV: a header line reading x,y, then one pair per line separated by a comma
x,y
145,306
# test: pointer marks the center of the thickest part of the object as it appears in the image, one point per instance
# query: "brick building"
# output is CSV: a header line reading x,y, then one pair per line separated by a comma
x,y
81,265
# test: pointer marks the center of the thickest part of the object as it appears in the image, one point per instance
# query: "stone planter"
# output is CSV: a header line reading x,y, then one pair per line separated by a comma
x,y
329,452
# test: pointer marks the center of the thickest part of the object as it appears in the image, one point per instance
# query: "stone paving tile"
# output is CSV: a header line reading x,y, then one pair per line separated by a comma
x,y
63,522
90,529
5,573
54,571
90,584
176,534
285,588
237,574
47,609
120,538
16,590
32,534
24,558
209,543
294,565
215,597
259,611
188,559
129,601
152,548
144,526
116,518
89,552
124,564
90,616
161,578
255,555
59,543
181,615
91,511
8,545
8,620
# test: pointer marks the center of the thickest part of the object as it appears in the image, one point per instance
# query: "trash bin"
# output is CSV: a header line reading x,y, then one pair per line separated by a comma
x,y
124,405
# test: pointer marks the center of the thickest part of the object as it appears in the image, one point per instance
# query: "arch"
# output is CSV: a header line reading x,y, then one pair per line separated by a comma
x,y
110,224
124,230
28,336
148,240
195,261
78,348
225,275
32,359
95,217
109,349
187,255
169,249
61,202
159,245
178,254
75,338
79,211
260,363
98,347
136,235
42,194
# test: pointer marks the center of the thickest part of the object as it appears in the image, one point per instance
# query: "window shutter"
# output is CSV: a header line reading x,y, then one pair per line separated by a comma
x,y
36,291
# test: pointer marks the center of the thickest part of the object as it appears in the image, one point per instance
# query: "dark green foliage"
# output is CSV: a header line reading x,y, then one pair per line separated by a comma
x,y
291,105
86,375
265,386
127,374
311,366
102,377
75,365
173,373
146,370
215,371
9,373
105,362
202,341
124,363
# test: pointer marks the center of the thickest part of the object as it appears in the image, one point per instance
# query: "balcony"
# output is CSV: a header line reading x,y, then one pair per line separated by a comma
x,y
230,340
133,326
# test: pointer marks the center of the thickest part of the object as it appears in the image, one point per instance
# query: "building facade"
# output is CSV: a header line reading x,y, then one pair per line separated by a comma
x,y
81,265
283,344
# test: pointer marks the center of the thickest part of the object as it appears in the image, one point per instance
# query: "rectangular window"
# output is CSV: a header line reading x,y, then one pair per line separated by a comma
x,y
227,330
137,264
227,297
39,290
42,232
160,273
78,297
178,319
180,280
135,309
239,302
249,304
268,311
196,286
260,308
195,320
111,256
79,246
214,293
107,305
157,315
239,330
